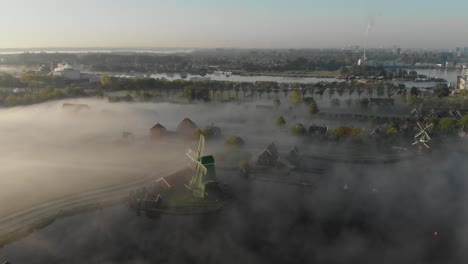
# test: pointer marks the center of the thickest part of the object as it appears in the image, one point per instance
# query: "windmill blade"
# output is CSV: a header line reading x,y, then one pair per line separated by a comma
x,y
201,146
419,125
426,145
429,126
415,143
191,155
202,167
419,134
427,135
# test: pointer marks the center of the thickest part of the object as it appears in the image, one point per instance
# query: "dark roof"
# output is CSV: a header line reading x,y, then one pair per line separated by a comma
x,y
177,179
318,130
186,124
207,160
293,151
158,126
433,113
376,131
272,150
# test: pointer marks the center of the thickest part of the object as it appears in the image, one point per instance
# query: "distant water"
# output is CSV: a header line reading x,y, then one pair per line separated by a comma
x,y
448,74
238,78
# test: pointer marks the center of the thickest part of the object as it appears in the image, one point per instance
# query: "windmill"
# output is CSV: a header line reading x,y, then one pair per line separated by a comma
x,y
423,137
204,170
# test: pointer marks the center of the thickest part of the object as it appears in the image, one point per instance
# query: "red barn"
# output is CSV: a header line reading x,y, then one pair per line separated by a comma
x,y
186,127
158,131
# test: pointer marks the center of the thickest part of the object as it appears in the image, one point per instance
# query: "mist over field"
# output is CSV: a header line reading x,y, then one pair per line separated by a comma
x,y
357,213
49,152
388,215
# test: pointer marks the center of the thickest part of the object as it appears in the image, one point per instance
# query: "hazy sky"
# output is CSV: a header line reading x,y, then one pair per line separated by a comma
x,y
235,23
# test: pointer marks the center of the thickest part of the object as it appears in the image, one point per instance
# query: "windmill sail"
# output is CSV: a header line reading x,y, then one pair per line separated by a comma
x,y
196,183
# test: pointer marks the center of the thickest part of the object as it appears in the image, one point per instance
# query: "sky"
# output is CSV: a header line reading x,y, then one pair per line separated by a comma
x,y
233,24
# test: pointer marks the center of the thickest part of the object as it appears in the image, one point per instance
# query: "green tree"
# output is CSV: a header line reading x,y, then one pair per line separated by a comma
x,y
295,98
11,100
447,125
280,121
463,121
106,80
441,90
276,102
338,133
234,142
297,129
357,133
313,109
414,91
188,93
391,131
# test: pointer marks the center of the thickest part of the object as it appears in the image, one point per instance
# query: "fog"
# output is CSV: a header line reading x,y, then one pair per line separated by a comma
x,y
47,152
387,213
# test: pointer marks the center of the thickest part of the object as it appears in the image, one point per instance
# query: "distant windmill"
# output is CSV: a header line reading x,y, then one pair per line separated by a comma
x,y
423,137
204,170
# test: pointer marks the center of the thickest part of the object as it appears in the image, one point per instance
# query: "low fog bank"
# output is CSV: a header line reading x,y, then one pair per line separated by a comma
x,y
356,213
48,152
385,214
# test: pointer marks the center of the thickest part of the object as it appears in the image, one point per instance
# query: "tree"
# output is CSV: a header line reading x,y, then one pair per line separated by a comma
x,y
295,98
414,91
357,133
391,131
276,102
364,102
11,100
280,121
188,93
340,90
447,125
234,142
312,108
297,129
463,121
441,90
380,90
339,133
106,80
331,91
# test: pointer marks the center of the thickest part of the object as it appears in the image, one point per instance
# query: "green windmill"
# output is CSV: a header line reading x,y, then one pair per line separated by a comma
x,y
205,172
423,137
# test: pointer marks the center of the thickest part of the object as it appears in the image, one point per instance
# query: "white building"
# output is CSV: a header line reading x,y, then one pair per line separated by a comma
x,y
67,72
462,82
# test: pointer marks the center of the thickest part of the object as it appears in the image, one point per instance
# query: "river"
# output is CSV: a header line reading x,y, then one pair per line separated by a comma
x,y
449,75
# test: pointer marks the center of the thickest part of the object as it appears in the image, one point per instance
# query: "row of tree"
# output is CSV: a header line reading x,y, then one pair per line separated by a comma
x,y
42,95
